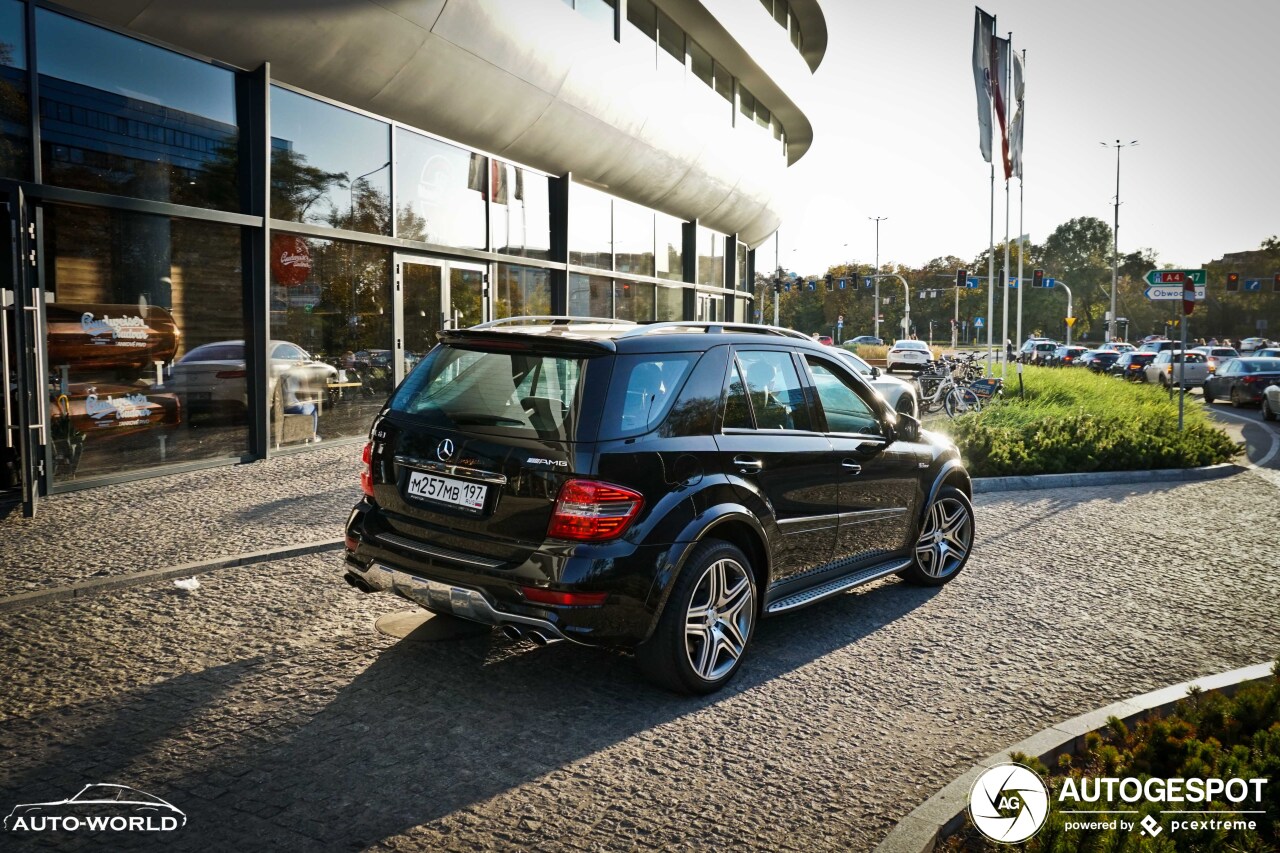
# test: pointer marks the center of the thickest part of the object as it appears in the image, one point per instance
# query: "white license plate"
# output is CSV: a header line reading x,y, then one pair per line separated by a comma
x,y
446,490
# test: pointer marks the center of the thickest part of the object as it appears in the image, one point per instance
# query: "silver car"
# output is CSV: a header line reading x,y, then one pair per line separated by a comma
x,y
212,377
898,393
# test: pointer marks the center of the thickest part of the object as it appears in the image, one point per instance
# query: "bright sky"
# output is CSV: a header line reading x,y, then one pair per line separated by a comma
x,y
896,129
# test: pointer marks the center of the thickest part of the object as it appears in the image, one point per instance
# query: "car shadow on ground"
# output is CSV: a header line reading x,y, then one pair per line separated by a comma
x,y
425,730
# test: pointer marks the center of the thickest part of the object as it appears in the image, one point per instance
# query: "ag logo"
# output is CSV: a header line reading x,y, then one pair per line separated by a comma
x,y
1009,803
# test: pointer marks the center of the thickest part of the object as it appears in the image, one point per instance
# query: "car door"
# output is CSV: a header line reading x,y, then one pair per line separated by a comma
x,y
781,466
1219,384
1152,370
879,490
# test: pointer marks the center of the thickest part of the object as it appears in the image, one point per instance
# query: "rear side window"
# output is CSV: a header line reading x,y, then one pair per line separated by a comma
x,y
523,393
642,390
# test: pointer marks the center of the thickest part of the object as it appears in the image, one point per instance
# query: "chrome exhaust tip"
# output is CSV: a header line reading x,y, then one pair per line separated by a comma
x,y
511,632
358,582
542,639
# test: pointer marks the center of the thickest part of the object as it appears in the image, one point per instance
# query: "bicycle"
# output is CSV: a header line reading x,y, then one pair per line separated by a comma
x,y
950,396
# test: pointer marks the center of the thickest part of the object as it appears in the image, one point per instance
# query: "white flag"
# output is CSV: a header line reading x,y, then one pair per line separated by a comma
x,y
1016,126
983,26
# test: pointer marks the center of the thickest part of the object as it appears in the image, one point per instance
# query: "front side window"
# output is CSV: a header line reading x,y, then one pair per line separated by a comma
x,y
843,406
774,389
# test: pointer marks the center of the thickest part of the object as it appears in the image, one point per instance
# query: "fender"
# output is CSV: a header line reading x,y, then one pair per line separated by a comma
x,y
943,472
672,562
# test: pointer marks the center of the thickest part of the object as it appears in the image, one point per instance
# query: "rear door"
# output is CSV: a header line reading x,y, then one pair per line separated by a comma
x,y
476,444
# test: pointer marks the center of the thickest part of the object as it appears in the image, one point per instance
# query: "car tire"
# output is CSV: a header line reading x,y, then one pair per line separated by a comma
x,y
1268,413
945,539
708,621
1235,399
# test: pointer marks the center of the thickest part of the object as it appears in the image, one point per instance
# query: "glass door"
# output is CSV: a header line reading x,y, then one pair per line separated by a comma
x,y
25,407
433,295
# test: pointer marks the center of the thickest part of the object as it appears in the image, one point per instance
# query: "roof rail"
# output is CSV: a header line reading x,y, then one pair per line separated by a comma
x,y
550,319
708,328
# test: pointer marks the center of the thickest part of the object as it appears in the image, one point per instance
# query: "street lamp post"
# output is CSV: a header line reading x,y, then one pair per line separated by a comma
x,y
875,312
1115,238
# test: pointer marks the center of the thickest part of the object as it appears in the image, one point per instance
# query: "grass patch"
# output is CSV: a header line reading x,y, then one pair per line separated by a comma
x,y
1205,736
1074,421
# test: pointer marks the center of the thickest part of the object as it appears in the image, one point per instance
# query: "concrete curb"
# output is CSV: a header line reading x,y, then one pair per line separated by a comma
x,y
97,585
989,485
943,813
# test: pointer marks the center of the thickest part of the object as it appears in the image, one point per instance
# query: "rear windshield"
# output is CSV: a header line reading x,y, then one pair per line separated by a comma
x,y
1191,357
507,393
1260,365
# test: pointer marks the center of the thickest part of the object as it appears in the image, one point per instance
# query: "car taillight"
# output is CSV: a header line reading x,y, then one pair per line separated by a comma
x,y
549,596
366,476
230,374
588,511
1249,380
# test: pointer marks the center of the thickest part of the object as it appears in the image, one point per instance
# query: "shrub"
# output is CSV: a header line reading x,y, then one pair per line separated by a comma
x,y
1073,420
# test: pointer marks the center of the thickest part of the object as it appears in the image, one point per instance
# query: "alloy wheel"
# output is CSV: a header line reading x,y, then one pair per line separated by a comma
x,y
945,538
719,620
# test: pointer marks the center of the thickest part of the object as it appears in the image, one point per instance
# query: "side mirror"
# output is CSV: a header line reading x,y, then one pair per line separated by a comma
x,y
908,428
875,373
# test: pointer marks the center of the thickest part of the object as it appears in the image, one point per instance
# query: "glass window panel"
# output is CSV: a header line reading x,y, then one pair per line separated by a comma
x,y
329,166
710,258
333,302
632,238
522,291
633,300
15,118
145,341
123,117
724,84
701,63
762,115
743,284
844,408
747,102
773,386
737,409
521,218
669,303
642,15
590,296
600,12
780,12
590,228
670,254
671,40
440,192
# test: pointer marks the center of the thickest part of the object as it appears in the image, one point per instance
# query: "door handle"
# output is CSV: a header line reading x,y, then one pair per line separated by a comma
x,y
851,466
748,464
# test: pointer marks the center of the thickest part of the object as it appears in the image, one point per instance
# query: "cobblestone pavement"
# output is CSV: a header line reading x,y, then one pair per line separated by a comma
x,y
180,518
266,708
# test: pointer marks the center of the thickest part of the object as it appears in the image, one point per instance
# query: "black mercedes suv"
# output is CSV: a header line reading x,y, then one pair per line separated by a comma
x,y
660,487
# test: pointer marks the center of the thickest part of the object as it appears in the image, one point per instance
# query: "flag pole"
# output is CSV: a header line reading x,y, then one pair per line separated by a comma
x,y
991,268
1008,119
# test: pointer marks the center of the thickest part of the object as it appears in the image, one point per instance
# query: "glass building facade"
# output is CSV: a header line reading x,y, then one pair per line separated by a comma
x,y
212,293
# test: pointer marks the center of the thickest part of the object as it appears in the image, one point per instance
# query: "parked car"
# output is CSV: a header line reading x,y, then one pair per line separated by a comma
x,y
1271,402
1117,346
913,355
867,340
1217,356
212,377
901,395
1158,345
1250,344
1266,352
1131,366
1170,366
1066,356
1242,380
1099,360
1037,351
825,340
719,474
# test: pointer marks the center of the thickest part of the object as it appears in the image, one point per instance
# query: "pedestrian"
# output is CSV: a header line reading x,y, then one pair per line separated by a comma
x,y
1008,349
1213,342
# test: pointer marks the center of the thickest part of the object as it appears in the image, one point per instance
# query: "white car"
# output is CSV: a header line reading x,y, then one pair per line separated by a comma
x,y
1271,403
913,355
1117,346
212,377
1217,356
1171,365
900,394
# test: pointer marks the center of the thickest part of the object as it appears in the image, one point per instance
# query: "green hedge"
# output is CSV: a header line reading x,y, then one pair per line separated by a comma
x,y
1074,420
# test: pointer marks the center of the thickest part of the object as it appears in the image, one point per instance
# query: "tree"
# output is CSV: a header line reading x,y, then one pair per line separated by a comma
x,y
1079,253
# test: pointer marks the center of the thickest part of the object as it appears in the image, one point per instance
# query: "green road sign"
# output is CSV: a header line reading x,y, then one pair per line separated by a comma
x,y
1175,276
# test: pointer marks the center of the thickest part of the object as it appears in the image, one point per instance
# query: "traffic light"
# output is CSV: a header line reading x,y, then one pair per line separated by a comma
x,y
1037,278
1233,281
831,282
777,287
1275,284
962,279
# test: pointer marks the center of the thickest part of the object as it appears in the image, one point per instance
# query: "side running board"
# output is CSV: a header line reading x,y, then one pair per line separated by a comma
x,y
837,586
